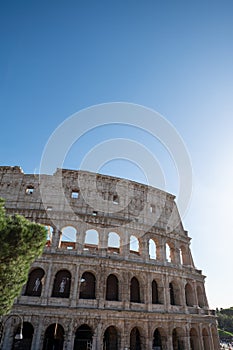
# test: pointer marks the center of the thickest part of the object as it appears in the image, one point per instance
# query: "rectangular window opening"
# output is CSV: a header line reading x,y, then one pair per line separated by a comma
x,y
115,199
29,190
152,208
75,194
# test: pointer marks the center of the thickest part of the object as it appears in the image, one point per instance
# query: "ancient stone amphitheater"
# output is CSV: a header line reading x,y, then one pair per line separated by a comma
x,y
116,273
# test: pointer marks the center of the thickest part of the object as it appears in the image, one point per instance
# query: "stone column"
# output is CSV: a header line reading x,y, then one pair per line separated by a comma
x,y
169,342
75,287
36,340
211,338
166,294
69,338
125,245
55,239
161,251
200,337
186,340
46,288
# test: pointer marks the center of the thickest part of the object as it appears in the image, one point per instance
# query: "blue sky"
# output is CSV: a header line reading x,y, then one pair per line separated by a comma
x,y
58,57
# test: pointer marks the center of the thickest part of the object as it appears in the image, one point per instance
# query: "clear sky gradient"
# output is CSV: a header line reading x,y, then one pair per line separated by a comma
x,y
176,57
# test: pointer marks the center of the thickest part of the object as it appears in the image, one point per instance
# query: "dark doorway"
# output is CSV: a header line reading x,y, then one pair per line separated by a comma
x,y
35,282
134,291
83,338
87,286
157,341
155,294
112,288
61,286
26,342
110,339
54,337
135,339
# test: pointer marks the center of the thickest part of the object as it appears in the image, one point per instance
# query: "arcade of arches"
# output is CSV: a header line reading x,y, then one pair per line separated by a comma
x,y
115,276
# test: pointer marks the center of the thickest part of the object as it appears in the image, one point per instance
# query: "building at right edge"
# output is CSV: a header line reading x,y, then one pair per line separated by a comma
x,y
124,279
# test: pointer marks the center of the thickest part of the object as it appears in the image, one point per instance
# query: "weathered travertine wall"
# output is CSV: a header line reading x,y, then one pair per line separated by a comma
x,y
117,270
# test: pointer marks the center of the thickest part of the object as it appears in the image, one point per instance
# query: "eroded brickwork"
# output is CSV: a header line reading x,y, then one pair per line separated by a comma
x,y
117,271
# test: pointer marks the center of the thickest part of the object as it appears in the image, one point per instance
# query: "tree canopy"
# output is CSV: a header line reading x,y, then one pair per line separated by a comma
x,y
22,241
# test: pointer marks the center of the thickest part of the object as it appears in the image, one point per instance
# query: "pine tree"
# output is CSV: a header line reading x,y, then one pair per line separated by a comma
x,y
21,242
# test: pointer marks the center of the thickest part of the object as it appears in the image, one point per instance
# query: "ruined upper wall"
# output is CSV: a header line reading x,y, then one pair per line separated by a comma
x,y
88,194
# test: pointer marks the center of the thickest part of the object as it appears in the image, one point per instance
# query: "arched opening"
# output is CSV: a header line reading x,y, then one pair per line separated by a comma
x,y
26,342
83,338
54,337
206,341
91,240
35,282
155,293
200,296
189,296
168,253
61,286
135,291
134,245
49,235
87,286
152,249
174,293
112,288
111,339
157,340
113,242
193,336
68,238
177,341
135,339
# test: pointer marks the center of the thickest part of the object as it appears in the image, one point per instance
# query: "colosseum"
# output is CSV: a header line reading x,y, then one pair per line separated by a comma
x,y
116,273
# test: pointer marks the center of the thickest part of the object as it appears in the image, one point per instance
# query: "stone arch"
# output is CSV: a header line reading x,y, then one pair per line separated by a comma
x,y
157,339
200,296
178,339
61,285
25,343
68,237
91,239
152,249
206,339
83,337
54,337
174,292
135,296
134,245
35,282
189,295
111,339
112,288
114,242
155,292
193,338
135,339
87,286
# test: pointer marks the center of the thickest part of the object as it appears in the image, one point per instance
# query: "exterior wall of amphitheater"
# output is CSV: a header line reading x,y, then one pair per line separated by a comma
x,y
102,226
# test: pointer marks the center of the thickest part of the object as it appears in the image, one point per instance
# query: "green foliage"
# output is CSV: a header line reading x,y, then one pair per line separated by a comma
x,y
225,323
21,242
225,334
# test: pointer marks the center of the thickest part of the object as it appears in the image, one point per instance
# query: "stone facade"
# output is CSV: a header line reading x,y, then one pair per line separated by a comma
x,y
116,273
